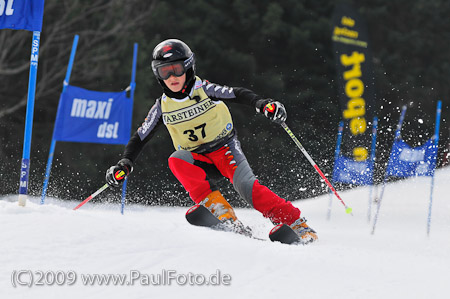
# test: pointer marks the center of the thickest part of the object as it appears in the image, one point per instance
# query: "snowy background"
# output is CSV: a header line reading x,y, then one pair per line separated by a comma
x,y
398,261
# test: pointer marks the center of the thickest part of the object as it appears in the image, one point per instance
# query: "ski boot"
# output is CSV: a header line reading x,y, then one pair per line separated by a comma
x,y
219,207
304,232
215,212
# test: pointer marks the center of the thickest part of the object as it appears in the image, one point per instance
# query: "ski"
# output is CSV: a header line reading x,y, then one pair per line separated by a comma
x,y
199,215
284,234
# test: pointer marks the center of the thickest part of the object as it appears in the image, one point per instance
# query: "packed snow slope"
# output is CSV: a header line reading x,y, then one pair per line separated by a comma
x,y
398,261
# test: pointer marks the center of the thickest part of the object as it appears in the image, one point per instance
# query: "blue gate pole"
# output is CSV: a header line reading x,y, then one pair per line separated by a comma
x,y
397,136
133,71
336,156
53,144
436,146
372,160
124,193
133,87
25,165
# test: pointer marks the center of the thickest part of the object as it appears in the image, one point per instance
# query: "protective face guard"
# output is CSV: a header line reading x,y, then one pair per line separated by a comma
x,y
177,68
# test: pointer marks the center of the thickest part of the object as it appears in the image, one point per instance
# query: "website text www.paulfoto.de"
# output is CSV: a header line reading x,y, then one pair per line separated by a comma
x,y
31,278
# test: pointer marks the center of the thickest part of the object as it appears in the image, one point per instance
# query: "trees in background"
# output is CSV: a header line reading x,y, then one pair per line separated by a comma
x,y
279,49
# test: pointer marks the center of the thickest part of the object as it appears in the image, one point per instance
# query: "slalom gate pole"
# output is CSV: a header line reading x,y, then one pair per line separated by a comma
x,y
124,192
372,160
397,136
348,210
25,165
53,143
436,145
132,89
103,188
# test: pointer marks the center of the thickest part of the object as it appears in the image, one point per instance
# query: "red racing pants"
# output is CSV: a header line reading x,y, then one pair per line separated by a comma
x,y
194,171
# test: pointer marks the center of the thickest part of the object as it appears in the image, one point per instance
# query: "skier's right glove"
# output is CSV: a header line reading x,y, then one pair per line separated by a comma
x,y
115,175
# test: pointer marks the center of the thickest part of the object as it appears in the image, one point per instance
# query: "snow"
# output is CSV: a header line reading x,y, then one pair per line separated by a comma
x,y
398,261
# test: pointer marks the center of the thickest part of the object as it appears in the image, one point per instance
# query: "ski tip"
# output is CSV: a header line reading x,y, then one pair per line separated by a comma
x,y
200,216
284,234
192,209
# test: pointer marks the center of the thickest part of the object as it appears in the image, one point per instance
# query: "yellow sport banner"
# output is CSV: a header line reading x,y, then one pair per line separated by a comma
x,y
355,81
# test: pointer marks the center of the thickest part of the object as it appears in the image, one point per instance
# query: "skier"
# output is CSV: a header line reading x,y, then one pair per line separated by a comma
x,y
202,132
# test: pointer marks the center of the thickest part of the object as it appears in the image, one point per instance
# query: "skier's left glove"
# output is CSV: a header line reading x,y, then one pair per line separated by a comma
x,y
115,175
275,111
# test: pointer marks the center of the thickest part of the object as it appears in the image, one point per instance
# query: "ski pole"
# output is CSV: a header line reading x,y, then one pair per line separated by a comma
x,y
103,188
348,210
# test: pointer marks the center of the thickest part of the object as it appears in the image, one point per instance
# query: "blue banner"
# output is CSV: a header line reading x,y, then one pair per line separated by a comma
x,y
349,171
93,116
21,14
406,161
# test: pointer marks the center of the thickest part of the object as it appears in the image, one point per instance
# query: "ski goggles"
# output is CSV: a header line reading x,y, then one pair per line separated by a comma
x,y
178,68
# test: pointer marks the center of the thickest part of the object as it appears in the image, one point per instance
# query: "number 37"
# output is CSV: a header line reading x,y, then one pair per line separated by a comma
x,y
192,136
8,5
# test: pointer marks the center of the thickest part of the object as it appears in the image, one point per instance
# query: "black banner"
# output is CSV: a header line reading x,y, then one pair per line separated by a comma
x,y
355,81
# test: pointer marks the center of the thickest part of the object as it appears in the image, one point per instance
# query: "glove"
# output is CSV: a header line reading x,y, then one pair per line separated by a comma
x,y
275,111
116,175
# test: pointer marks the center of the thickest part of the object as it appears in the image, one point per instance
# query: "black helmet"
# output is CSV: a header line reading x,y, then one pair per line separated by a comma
x,y
175,53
